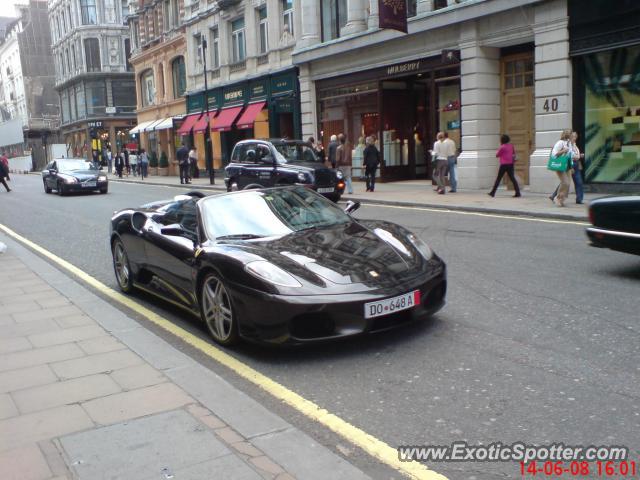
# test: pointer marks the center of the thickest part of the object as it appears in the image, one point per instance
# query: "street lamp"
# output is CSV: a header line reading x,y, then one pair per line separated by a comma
x,y
208,150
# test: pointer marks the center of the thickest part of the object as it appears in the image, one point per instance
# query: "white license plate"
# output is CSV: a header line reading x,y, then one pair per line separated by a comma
x,y
326,190
391,305
89,184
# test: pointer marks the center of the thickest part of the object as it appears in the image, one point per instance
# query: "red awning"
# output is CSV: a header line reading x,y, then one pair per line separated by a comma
x,y
188,123
250,114
202,124
225,119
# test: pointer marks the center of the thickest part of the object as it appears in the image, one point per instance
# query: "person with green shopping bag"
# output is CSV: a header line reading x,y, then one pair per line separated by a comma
x,y
560,162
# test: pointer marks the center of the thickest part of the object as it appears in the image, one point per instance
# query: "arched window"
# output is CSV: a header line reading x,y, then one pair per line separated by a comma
x,y
148,88
179,77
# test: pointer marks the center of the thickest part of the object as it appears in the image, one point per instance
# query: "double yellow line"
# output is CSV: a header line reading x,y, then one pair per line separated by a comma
x,y
374,447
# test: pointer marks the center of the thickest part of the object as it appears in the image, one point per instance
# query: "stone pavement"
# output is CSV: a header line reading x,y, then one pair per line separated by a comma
x,y
88,393
419,193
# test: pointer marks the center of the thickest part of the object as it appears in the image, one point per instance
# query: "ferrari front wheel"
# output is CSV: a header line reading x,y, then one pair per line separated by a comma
x,y
217,311
122,267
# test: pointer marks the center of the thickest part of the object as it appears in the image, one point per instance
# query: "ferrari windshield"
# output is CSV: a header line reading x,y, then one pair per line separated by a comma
x,y
275,212
296,152
73,165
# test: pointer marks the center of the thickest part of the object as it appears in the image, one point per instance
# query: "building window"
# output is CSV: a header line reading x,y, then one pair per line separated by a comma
x,y
125,10
179,77
197,51
195,6
175,15
62,69
66,52
334,17
96,97
287,15
263,29
135,27
167,15
71,23
124,95
238,46
215,47
92,54
412,8
88,12
438,4
82,106
58,32
127,54
147,87
73,58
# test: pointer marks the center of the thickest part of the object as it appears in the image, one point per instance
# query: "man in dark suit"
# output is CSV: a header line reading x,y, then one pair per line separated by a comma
x,y
183,163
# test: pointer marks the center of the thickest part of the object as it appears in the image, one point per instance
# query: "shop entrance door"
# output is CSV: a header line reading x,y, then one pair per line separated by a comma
x,y
518,109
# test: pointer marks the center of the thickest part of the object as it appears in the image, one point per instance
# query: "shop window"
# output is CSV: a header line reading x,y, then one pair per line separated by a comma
x,y
263,27
238,45
80,101
612,115
88,12
92,54
518,73
179,77
334,17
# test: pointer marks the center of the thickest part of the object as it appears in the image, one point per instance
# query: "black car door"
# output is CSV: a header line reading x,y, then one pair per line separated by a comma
x,y
171,257
51,178
265,165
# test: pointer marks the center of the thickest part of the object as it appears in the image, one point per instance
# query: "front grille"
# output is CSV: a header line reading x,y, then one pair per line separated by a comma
x,y
324,178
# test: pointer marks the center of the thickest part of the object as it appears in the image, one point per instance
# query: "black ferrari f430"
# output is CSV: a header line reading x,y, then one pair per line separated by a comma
x,y
280,265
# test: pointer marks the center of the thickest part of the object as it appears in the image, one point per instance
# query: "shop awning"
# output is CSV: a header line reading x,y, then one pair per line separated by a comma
x,y
140,127
224,121
203,123
188,124
249,116
164,124
151,127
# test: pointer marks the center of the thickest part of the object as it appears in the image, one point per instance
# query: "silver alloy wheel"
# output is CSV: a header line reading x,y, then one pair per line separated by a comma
x,y
121,264
216,309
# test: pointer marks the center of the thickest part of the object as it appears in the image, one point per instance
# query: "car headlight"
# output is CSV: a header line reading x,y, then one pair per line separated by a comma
x,y
271,273
302,178
102,178
70,180
339,174
421,246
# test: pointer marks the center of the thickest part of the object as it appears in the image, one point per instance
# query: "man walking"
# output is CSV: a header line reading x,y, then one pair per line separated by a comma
x,y
344,161
4,172
5,162
371,160
333,148
183,163
450,148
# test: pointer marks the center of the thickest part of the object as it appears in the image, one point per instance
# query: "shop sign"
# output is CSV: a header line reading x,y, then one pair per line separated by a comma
x,y
393,14
258,90
214,99
404,68
282,84
284,106
233,95
95,124
195,103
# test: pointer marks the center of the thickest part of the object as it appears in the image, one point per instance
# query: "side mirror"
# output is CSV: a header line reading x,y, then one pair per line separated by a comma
x,y
351,207
52,171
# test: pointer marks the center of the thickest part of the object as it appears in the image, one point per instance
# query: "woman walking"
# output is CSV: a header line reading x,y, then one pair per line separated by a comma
x,y
144,163
576,158
440,152
506,153
371,162
562,147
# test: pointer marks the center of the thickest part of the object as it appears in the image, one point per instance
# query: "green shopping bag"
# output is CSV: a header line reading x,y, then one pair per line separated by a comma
x,y
559,163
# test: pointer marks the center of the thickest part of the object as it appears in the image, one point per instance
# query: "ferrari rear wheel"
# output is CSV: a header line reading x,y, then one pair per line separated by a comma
x,y
121,267
217,311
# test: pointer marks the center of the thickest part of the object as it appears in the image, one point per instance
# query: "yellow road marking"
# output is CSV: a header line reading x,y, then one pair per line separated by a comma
x,y
374,447
478,214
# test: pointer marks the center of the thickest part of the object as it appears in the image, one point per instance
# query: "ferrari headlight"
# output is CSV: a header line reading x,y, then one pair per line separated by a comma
x,y
339,174
421,246
271,273
302,178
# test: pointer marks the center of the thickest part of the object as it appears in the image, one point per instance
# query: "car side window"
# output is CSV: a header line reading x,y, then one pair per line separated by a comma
x,y
182,213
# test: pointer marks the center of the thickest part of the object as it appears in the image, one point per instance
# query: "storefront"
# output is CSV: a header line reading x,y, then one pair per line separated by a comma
x,y
265,107
402,106
605,48
84,138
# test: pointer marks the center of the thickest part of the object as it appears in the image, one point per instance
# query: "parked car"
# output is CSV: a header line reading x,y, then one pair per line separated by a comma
x,y
271,163
615,223
279,265
66,175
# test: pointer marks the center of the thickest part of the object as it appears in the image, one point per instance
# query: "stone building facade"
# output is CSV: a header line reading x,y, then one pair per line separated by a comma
x,y
94,79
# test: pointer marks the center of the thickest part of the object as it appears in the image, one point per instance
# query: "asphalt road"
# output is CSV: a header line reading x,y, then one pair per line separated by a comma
x,y
538,342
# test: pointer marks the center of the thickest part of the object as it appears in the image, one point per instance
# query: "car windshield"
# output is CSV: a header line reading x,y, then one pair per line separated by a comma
x,y
273,212
73,165
296,152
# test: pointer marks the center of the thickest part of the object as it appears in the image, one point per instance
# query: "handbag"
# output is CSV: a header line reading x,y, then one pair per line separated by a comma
x,y
559,163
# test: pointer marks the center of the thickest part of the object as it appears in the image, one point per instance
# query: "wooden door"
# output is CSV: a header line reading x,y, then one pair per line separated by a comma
x,y
517,119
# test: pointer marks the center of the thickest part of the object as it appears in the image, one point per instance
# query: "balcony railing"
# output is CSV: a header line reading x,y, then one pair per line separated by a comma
x,y
263,59
238,66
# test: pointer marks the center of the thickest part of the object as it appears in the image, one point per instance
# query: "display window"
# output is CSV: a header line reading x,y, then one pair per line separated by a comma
x,y
612,115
